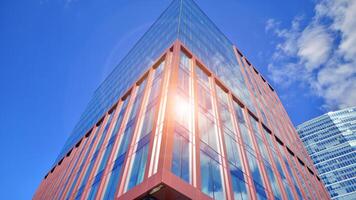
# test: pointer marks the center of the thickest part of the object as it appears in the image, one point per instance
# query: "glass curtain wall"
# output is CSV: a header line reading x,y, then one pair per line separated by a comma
x,y
139,158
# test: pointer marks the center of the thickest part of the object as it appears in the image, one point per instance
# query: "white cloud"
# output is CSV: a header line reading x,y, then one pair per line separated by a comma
x,y
270,24
321,55
314,46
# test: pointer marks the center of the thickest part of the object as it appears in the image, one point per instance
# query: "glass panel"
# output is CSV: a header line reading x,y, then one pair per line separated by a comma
x,y
183,111
273,181
211,183
86,157
255,126
114,179
112,139
71,174
184,61
225,117
148,122
202,76
204,98
138,167
254,169
94,158
138,164
183,81
239,185
125,139
207,131
222,95
181,157
239,114
232,151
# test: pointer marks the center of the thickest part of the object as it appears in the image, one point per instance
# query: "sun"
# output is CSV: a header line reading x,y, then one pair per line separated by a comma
x,y
182,108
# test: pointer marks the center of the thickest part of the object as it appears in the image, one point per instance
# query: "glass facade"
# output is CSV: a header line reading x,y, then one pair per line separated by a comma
x,y
184,116
330,141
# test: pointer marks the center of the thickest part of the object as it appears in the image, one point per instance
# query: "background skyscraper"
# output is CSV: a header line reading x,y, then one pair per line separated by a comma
x,y
184,115
330,140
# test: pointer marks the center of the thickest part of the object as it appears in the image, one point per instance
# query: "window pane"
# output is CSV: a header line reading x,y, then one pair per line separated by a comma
x,y
148,122
273,181
222,95
114,179
211,179
138,167
181,157
204,98
239,114
232,151
225,117
183,81
184,61
207,131
202,76
255,172
238,183
183,111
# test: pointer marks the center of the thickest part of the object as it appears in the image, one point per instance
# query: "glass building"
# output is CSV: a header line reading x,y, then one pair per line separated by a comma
x,y
330,140
184,115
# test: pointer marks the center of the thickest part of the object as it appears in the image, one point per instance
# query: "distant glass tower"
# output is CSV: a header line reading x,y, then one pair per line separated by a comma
x,y
183,116
330,140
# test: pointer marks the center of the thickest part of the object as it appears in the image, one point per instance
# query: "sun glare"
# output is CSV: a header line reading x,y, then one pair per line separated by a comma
x,y
182,108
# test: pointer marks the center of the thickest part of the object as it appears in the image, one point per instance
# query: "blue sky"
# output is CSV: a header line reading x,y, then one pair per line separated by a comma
x,y
54,53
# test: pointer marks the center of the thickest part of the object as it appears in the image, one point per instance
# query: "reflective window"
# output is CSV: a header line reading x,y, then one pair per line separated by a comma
x,y
114,179
88,171
211,178
273,181
222,96
182,147
239,186
184,61
263,149
81,167
207,131
225,117
82,151
138,164
245,134
138,167
148,122
236,168
183,111
240,117
254,124
183,81
202,76
289,171
232,151
239,114
181,155
113,137
256,175
125,139
204,98
254,169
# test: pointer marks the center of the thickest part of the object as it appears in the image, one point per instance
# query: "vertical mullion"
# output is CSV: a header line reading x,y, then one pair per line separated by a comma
x,y
242,149
130,151
112,117
80,163
221,136
159,107
258,156
98,132
130,97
